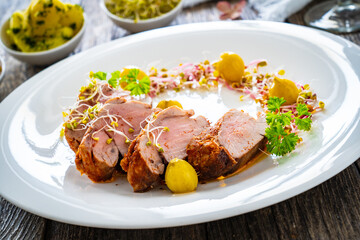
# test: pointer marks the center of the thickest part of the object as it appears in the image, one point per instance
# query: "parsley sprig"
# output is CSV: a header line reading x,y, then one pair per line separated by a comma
x,y
280,138
128,82
135,85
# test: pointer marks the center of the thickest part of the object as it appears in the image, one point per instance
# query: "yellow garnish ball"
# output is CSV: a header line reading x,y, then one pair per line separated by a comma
x,y
180,176
168,103
281,72
231,67
284,88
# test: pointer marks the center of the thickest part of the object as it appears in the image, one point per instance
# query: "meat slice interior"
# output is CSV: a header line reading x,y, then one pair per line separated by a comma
x,y
165,137
99,93
74,135
180,129
226,146
109,136
143,165
130,119
97,158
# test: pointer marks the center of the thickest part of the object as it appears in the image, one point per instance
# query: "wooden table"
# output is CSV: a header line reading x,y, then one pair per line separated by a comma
x,y
328,211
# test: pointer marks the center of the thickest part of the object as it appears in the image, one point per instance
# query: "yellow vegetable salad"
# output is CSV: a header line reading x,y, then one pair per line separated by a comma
x,y
44,25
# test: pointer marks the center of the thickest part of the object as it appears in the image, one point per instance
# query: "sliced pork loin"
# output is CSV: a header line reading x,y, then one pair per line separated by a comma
x,y
226,146
109,136
165,137
89,97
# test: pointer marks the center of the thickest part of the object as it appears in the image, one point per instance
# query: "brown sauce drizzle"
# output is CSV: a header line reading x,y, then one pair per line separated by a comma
x,y
258,158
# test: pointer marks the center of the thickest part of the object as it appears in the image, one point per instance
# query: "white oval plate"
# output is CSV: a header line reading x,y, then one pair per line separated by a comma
x,y
37,172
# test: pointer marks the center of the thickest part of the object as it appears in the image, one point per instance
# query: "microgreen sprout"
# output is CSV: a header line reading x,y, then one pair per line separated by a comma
x,y
112,127
153,133
62,132
115,124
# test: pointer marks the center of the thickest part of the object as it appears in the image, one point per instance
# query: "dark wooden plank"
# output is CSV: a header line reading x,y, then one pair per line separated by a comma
x,y
16,223
55,230
357,164
328,211
99,27
230,228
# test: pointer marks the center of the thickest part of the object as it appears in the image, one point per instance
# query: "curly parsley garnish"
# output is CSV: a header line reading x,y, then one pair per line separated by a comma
x,y
301,122
114,80
128,82
281,140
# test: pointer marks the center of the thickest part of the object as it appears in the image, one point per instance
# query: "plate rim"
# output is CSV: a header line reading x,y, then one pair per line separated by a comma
x,y
315,181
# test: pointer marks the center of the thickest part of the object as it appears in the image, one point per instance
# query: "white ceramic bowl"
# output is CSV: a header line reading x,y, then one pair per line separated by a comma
x,y
143,25
2,64
44,57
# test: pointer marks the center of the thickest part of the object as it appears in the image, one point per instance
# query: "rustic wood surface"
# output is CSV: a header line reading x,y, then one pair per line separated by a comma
x,y
328,211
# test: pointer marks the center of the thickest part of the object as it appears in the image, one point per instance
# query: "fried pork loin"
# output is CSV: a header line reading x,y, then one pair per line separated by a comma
x,y
109,136
89,97
165,137
228,145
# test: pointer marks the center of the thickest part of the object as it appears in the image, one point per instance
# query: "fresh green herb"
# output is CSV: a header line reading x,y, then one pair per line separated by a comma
x,y
134,85
40,14
274,103
303,123
30,41
114,80
283,119
73,26
66,37
15,30
100,75
280,139
280,142
131,82
48,4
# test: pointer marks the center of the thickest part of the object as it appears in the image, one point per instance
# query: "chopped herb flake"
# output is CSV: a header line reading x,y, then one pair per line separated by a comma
x,y
100,75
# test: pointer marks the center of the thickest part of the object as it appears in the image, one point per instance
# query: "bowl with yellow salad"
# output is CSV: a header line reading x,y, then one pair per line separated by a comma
x,y
45,32
2,68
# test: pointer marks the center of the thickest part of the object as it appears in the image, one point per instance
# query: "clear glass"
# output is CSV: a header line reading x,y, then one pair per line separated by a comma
x,y
340,17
